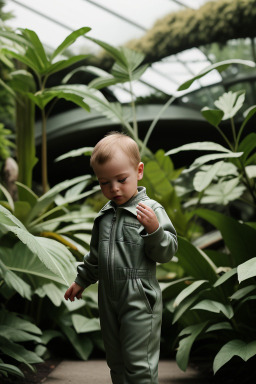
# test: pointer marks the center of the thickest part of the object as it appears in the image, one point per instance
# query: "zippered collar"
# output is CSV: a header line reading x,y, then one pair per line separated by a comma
x,y
130,205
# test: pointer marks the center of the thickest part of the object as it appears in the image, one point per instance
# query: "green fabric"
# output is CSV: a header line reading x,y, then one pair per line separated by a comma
x,y
123,259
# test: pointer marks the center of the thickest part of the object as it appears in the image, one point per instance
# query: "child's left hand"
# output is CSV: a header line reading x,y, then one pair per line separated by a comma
x,y
147,218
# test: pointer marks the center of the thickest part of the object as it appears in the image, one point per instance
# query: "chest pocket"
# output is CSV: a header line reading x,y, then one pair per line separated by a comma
x,y
132,231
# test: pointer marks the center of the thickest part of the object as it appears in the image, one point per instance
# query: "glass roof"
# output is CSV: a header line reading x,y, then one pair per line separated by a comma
x,y
115,22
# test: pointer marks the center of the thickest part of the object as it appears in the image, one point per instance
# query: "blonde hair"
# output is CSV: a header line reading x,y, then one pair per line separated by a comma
x,y
105,149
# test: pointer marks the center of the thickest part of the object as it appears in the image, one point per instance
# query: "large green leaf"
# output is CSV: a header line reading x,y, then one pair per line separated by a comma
x,y
234,348
198,264
199,146
81,343
48,198
52,291
14,281
215,307
238,237
18,352
21,260
16,321
207,158
220,66
185,305
247,270
9,368
194,286
203,179
17,335
54,255
83,324
186,343
223,191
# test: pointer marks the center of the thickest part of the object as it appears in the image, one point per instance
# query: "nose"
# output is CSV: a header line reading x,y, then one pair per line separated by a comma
x,y
114,187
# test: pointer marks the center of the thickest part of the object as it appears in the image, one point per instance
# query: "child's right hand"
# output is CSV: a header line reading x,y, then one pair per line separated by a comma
x,y
73,291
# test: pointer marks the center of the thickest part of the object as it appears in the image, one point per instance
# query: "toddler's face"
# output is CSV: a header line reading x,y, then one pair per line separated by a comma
x,y
118,178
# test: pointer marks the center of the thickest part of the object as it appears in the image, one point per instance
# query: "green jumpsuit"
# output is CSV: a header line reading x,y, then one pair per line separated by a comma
x,y
123,259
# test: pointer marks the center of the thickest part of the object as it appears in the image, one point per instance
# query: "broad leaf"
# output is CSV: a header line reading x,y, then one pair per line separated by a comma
x,y
234,348
203,179
83,324
20,259
239,237
18,352
216,307
189,291
199,146
247,270
14,281
186,343
198,264
241,293
49,197
12,369
206,158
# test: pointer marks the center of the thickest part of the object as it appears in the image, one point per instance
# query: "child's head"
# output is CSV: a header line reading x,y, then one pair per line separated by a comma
x,y
116,163
106,148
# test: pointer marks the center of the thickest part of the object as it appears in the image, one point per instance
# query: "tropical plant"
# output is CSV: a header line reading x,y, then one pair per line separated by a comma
x,y
229,173
31,85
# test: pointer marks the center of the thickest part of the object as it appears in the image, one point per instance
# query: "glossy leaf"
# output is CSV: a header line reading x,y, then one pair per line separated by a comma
x,y
234,348
14,281
194,286
186,343
83,324
199,146
203,179
198,264
216,307
238,237
12,369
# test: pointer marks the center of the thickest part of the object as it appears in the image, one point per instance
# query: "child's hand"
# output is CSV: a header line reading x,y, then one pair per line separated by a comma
x,y
147,218
73,291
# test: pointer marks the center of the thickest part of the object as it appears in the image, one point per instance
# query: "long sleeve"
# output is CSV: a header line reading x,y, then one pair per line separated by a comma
x,y
87,272
162,244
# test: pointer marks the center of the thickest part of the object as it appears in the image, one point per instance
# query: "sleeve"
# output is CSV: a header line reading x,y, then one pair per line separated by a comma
x,y
161,245
87,272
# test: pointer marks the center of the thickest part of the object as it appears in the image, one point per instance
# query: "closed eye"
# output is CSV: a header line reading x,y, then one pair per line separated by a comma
x,y
123,180
104,183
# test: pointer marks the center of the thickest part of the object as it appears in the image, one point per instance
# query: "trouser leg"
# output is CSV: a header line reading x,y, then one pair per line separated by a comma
x,y
140,336
110,334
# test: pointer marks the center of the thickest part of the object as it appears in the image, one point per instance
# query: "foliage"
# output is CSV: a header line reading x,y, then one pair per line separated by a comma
x,y
31,84
229,173
217,309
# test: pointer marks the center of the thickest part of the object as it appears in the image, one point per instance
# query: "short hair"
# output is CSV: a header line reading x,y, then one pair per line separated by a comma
x,y
105,149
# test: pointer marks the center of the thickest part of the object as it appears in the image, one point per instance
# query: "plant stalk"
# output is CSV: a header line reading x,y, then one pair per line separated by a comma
x,y
45,184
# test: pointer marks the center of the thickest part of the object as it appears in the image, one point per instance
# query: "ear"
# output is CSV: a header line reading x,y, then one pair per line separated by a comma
x,y
140,171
